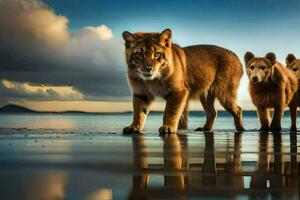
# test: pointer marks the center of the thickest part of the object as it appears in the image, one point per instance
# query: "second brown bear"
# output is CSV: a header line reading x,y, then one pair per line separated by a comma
x,y
293,65
271,85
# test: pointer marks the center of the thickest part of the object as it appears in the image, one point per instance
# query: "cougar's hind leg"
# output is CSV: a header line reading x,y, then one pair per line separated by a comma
x,y
210,111
229,103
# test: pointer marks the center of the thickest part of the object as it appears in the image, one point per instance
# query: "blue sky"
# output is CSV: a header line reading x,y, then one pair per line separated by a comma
x,y
135,15
239,25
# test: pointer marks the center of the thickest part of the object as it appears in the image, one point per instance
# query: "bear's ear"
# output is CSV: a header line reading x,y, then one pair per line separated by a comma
x,y
290,58
248,56
271,57
165,38
128,37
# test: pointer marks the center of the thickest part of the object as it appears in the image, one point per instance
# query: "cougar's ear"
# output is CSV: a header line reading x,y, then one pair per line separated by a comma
x,y
128,37
165,38
248,56
290,58
271,57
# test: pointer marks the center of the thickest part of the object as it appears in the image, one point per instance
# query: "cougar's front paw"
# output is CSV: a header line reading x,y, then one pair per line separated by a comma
x,y
166,130
131,129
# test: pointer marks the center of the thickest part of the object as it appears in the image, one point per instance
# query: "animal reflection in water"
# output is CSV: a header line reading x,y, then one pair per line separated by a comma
x,y
198,169
175,164
279,173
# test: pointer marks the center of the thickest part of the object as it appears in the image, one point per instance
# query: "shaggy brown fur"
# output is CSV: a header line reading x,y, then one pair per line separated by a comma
x,y
157,67
293,64
271,86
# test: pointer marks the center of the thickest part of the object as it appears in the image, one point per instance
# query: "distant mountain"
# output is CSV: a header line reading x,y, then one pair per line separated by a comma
x,y
11,108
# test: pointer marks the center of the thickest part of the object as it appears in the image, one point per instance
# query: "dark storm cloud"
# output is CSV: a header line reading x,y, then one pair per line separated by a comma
x,y
37,48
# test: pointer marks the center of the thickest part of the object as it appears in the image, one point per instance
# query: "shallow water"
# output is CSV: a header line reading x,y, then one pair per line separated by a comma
x,y
87,157
109,123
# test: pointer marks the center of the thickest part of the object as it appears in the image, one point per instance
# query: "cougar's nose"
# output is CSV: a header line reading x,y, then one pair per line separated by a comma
x,y
148,68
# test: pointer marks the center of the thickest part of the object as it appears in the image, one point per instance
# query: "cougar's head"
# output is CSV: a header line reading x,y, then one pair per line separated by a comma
x,y
147,53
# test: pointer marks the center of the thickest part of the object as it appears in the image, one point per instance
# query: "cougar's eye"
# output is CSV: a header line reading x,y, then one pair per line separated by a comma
x,y
252,67
140,54
295,69
157,54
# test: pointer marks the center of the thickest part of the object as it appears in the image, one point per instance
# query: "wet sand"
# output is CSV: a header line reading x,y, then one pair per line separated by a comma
x,y
220,165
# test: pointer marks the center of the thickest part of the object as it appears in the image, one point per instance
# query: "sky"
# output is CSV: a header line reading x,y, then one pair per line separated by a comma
x,y
69,55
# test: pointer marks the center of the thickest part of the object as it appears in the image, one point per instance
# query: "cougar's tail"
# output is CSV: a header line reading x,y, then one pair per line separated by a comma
x,y
183,121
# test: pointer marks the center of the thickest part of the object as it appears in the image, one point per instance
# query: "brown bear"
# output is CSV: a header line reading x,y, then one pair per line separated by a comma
x,y
271,85
293,64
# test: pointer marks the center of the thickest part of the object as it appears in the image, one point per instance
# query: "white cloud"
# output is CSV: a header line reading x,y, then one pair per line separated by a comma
x,y
102,31
46,91
24,19
40,50
98,45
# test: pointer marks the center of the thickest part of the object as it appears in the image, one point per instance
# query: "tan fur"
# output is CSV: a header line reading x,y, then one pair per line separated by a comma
x,y
203,72
293,65
271,86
